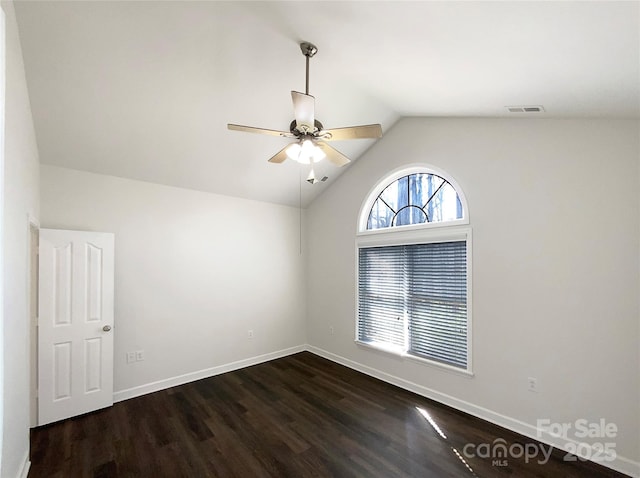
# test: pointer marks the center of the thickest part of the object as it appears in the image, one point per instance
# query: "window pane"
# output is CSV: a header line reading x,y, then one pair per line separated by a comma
x,y
390,196
429,183
410,215
444,206
416,188
380,215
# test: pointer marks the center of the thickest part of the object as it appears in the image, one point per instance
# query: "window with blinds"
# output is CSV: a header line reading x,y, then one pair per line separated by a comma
x,y
414,268
413,299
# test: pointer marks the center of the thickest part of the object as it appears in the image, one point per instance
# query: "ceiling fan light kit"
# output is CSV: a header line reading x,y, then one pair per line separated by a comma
x,y
310,146
305,152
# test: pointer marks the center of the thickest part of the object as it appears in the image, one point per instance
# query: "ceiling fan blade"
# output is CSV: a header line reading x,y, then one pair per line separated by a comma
x,y
304,110
280,156
333,155
352,132
251,129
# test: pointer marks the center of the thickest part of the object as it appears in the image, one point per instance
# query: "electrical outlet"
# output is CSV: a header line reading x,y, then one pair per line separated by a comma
x,y
139,355
131,357
532,384
250,334
331,329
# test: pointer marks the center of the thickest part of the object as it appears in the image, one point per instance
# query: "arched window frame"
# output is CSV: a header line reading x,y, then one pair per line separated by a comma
x,y
387,180
430,232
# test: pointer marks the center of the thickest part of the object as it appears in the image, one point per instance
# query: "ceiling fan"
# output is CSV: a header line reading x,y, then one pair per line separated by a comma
x,y
310,145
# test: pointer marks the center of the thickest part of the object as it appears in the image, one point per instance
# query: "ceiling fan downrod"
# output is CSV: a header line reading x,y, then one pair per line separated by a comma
x,y
308,50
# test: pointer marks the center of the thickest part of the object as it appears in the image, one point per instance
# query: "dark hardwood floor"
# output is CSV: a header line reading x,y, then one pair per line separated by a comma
x,y
299,416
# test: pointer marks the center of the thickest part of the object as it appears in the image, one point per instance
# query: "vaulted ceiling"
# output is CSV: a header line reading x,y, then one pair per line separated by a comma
x,y
144,90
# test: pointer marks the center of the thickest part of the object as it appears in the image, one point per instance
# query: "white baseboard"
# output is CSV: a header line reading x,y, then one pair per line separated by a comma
x,y
620,464
200,374
26,464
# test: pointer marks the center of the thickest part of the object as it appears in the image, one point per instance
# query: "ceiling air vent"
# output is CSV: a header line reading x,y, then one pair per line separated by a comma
x,y
525,109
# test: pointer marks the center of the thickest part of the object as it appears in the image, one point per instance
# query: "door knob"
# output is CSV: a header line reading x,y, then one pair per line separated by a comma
x,y
106,328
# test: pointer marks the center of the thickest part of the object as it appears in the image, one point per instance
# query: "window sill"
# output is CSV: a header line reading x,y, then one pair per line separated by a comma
x,y
414,358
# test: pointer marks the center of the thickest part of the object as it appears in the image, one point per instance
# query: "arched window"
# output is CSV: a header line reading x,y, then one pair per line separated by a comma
x,y
416,198
414,269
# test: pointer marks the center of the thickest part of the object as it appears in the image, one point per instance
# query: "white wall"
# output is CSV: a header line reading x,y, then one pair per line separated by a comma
x,y
194,272
554,207
20,202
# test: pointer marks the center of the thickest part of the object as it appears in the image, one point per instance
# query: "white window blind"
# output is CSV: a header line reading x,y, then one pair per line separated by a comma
x,y
413,298
382,297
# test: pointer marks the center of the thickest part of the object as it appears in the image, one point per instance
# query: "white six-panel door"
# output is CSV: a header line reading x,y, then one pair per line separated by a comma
x,y
75,336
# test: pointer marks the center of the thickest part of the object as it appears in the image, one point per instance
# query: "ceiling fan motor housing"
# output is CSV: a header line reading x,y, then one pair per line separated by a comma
x,y
317,126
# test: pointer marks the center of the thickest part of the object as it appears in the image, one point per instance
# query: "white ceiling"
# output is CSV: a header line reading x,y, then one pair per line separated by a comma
x,y
144,89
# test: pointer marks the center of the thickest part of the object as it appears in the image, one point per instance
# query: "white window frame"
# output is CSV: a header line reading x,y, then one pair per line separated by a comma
x,y
456,230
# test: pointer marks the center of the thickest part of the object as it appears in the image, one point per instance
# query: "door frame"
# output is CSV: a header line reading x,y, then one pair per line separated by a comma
x,y
33,231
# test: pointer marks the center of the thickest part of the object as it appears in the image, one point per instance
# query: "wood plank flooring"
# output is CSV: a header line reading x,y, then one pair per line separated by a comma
x,y
299,416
